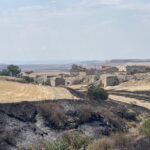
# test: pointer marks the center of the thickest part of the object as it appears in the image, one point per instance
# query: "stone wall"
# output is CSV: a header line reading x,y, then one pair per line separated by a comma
x,y
109,80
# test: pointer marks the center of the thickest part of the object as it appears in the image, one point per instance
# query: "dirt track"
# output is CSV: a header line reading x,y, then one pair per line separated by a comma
x,y
16,92
134,93
132,101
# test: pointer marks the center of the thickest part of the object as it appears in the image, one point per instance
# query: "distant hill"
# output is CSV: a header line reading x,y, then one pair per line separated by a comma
x,y
129,61
115,62
89,64
42,67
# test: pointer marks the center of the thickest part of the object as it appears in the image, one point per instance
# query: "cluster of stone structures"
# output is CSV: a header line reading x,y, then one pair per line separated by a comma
x,y
132,69
105,76
50,80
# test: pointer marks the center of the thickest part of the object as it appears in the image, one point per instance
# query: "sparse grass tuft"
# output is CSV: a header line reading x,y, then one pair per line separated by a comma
x,y
145,129
116,141
75,141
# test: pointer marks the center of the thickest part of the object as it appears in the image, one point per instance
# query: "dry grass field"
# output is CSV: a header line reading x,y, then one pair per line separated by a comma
x,y
132,101
15,92
133,92
132,86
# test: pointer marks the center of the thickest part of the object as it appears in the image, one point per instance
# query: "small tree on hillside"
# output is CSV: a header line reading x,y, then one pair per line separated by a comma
x,y
97,93
29,72
13,70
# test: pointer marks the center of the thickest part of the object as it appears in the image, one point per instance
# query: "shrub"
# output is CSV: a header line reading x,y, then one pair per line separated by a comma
x,y
146,127
101,144
75,141
130,115
111,117
28,79
116,141
126,113
120,140
54,146
53,115
97,93
84,112
70,141
57,146
29,72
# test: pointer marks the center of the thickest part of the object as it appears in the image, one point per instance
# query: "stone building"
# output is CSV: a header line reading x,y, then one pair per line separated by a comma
x,y
40,79
109,69
125,78
74,80
132,69
108,80
56,81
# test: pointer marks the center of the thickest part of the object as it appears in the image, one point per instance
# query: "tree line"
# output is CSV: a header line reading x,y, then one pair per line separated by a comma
x,y
11,70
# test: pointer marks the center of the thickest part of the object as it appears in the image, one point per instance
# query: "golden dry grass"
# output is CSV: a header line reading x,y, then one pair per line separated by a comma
x,y
132,86
131,101
16,92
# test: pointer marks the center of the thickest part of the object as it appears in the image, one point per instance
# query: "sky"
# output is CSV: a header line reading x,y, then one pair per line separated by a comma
x,y
67,30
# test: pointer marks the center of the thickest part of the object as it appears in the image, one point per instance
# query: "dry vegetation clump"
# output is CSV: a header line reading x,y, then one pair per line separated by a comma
x,y
75,140
116,141
7,138
53,114
116,121
70,141
128,114
84,113
51,146
97,93
101,144
145,128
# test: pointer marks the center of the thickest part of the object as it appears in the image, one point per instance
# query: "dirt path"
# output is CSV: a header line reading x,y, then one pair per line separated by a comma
x,y
132,101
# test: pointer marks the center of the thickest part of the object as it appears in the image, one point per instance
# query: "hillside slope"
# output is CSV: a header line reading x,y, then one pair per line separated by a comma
x,y
17,92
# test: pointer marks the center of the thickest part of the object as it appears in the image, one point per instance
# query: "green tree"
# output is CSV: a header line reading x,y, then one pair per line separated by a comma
x,y
13,70
97,93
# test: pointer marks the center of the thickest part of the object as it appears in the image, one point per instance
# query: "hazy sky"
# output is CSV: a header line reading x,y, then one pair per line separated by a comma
x,y
38,30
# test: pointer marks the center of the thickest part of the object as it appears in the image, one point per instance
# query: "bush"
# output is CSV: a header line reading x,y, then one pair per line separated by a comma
x,y
115,142
97,93
75,141
130,115
28,79
57,146
53,115
146,127
101,144
29,72
70,141
54,146
111,117
84,112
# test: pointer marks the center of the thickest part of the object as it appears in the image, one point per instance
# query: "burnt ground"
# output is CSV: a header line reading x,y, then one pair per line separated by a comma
x,y
25,124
